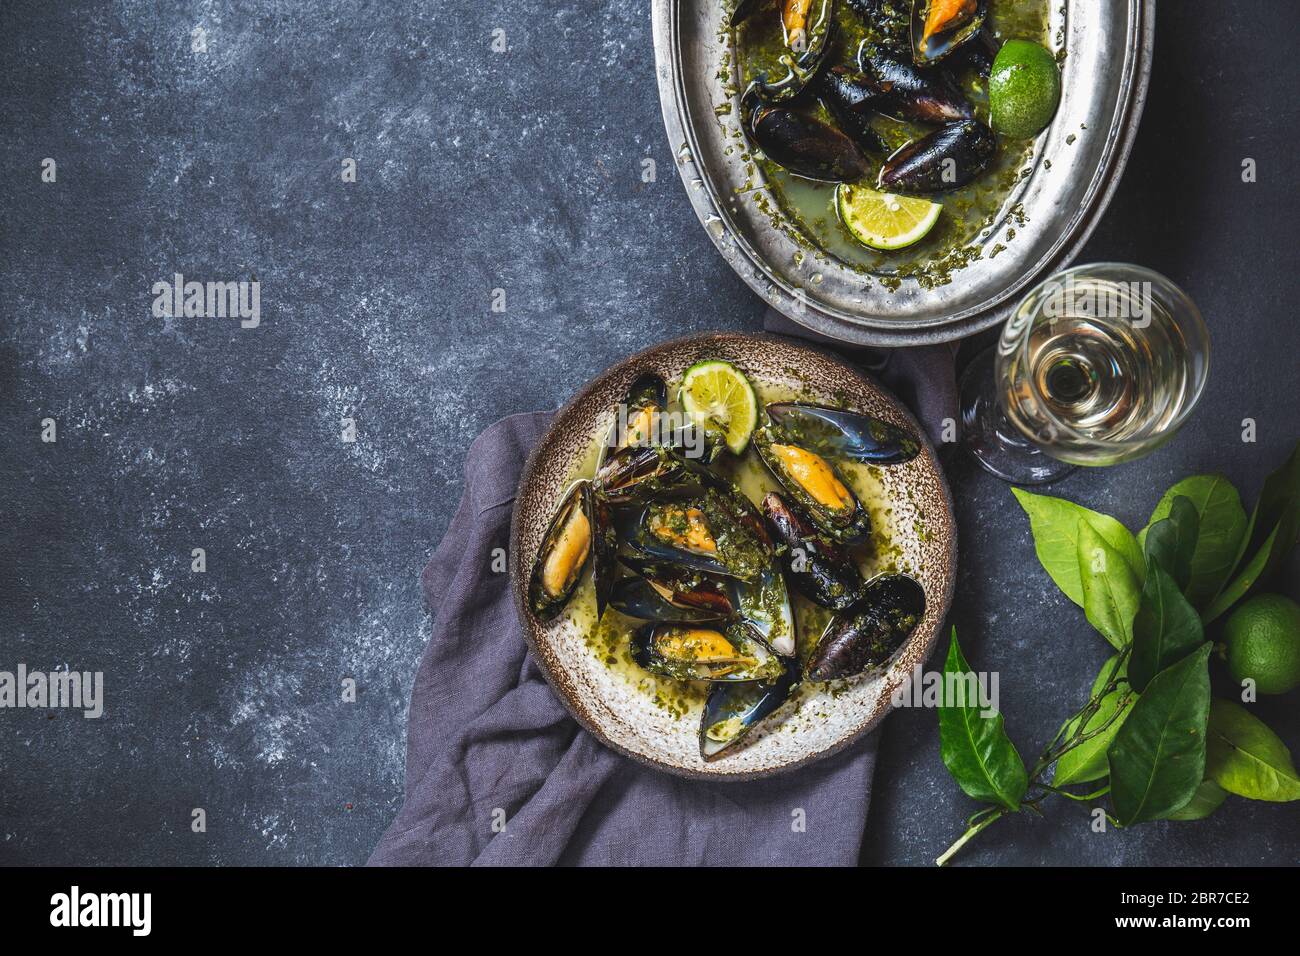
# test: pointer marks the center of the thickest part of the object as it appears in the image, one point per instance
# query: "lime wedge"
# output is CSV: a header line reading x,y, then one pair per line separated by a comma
x,y
718,398
884,220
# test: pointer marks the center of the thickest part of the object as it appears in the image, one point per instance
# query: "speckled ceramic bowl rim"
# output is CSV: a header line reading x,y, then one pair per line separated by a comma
x,y
518,581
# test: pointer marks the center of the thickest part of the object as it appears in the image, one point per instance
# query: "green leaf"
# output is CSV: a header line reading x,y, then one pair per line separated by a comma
x,y
1222,522
1165,630
1158,757
1248,759
1209,796
1272,532
1171,540
1087,761
976,749
1245,580
1055,525
1110,588
1279,497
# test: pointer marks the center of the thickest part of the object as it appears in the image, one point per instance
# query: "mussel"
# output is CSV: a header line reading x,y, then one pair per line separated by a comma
x,y
948,158
818,567
704,652
580,530
938,27
906,93
867,633
662,591
815,485
764,604
733,710
635,473
704,529
850,98
843,434
670,592
802,144
808,27
636,421
980,52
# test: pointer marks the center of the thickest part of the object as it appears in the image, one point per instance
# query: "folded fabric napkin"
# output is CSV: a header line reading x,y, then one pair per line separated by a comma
x,y
498,773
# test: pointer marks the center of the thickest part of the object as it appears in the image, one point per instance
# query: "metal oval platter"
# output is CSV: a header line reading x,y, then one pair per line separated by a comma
x,y
1075,166
624,716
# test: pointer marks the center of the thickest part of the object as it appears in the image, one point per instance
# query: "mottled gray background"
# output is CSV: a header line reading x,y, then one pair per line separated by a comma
x,y
477,170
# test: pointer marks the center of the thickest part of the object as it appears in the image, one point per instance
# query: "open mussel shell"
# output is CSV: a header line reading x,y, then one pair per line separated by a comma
x,y
636,597
817,567
636,473
667,592
764,604
565,550
867,634
733,710
808,28
707,652
803,144
815,485
948,158
906,93
939,27
843,434
604,551
636,419
702,529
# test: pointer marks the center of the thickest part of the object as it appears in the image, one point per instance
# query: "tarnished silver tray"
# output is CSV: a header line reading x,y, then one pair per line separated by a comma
x,y
1077,164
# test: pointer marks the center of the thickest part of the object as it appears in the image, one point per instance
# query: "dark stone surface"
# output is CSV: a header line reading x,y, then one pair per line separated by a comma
x,y
476,171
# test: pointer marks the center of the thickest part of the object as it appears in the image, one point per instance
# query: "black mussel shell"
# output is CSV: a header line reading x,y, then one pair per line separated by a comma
x,y
907,93
868,633
809,42
668,592
764,604
733,710
948,158
636,419
806,146
850,98
701,531
604,551
940,27
889,23
743,10
636,597
818,568
838,433
565,550
636,473
707,652
815,485
979,53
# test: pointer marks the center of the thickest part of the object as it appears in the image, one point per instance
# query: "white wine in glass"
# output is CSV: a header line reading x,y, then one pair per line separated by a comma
x,y
1098,365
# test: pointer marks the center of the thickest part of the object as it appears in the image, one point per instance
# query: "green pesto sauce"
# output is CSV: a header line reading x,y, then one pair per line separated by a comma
x,y
805,210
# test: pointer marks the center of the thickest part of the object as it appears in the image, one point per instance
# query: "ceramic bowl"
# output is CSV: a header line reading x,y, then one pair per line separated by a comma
x,y
627,720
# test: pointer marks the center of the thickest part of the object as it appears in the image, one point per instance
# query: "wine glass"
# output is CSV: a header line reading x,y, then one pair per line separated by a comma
x,y
1098,365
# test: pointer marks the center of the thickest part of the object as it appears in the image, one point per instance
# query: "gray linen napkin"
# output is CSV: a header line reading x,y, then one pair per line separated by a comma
x,y
497,773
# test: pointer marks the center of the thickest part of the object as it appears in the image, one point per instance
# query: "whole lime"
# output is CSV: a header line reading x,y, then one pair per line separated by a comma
x,y
1263,637
1024,89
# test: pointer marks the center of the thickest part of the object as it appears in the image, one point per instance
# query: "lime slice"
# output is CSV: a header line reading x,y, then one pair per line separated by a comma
x,y
884,220
719,399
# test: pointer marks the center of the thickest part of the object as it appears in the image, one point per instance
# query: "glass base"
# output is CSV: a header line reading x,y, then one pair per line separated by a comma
x,y
993,441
